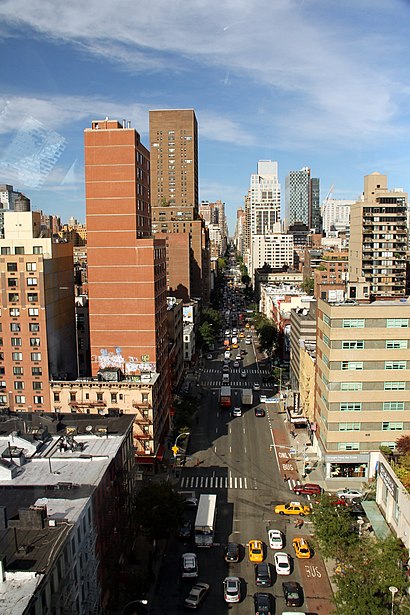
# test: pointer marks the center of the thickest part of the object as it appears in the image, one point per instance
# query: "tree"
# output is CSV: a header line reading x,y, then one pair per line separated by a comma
x,y
370,568
308,285
246,280
158,509
333,528
268,337
403,444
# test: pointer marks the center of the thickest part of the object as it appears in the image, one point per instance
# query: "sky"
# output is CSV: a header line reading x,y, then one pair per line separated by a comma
x,y
317,83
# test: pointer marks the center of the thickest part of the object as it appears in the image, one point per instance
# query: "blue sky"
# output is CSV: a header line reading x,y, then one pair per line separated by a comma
x,y
315,83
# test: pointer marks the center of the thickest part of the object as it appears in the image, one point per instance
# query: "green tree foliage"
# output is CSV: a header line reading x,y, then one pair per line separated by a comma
x,y
370,568
268,337
333,528
246,279
403,444
308,285
206,333
158,509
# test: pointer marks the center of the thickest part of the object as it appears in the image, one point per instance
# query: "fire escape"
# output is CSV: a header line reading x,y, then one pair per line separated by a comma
x,y
143,428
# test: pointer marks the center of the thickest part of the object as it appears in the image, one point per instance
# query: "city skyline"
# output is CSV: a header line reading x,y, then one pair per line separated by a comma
x,y
304,86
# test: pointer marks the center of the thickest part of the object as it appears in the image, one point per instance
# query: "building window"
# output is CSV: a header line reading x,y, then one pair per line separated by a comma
x,y
392,426
113,398
32,297
31,281
37,386
14,312
17,371
12,282
3,400
16,341
349,426
31,266
5,250
351,386
20,399
326,319
34,327
33,311
393,405
395,364
396,344
326,340
36,371
325,360
19,385
34,341
15,327
19,250
11,267
394,386
17,356
352,344
36,356
56,397
352,365
397,323
13,297
37,249
350,406
99,397
348,446
353,323
38,399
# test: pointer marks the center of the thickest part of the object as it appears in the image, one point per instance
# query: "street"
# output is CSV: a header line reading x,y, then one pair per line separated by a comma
x,y
237,458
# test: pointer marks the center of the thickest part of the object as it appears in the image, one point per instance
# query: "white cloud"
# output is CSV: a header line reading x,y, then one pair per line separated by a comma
x,y
324,67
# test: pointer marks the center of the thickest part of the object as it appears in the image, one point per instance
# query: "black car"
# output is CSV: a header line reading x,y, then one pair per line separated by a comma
x,y
185,530
231,552
293,593
262,603
262,575
259,411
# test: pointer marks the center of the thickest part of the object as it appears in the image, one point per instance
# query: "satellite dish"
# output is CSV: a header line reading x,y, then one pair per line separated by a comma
x,y
89,428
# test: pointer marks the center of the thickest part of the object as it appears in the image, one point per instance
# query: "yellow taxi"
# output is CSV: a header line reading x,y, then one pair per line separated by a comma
x,y
247,326
242,334
255,551
301,547
293,508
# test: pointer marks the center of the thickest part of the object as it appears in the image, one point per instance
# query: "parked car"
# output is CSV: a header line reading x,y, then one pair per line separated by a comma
x,y
185,530
301,546
189,565
292,508
232,589
231,552
275,538
293,593
262,603
349,494
308,489
282,563
259,411
255,550
196,595
263,576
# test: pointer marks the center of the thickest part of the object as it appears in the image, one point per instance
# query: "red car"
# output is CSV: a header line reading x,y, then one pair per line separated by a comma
x,y
308,489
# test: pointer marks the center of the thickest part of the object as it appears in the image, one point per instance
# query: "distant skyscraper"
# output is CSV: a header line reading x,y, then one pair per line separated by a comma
x,y
302,200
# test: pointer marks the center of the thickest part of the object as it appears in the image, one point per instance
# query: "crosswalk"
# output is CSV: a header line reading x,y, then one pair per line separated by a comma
x,y
202,481
236,370
217,482
235,384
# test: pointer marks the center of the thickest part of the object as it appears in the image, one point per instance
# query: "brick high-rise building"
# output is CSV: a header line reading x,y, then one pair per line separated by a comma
x,y
126,265
174,196
38,321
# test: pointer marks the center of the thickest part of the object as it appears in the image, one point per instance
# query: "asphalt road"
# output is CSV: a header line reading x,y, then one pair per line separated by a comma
x,y
233,458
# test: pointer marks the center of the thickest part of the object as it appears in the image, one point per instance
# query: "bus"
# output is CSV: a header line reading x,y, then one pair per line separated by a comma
x,y
205,520
225,395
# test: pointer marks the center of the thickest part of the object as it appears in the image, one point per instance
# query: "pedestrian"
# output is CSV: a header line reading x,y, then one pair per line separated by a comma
x,y
285,478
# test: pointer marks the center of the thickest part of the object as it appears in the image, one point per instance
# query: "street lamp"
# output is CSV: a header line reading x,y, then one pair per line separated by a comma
x,y
175,448
135,608
393,590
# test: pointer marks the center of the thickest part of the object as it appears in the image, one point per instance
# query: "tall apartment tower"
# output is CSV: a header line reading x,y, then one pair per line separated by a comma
x,y
378,241
38,319
175,201
302,200
126,265
262,204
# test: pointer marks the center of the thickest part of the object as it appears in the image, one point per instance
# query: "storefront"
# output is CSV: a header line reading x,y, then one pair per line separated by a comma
x,y
347,466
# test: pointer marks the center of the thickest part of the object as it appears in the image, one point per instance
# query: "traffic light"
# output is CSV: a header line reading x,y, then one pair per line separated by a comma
x,y
175,449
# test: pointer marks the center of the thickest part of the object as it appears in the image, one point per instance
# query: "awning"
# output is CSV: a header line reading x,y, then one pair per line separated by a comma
x,y
159,455
376,519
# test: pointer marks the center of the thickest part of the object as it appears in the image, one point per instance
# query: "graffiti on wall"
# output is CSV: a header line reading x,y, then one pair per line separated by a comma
x,y
130,365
